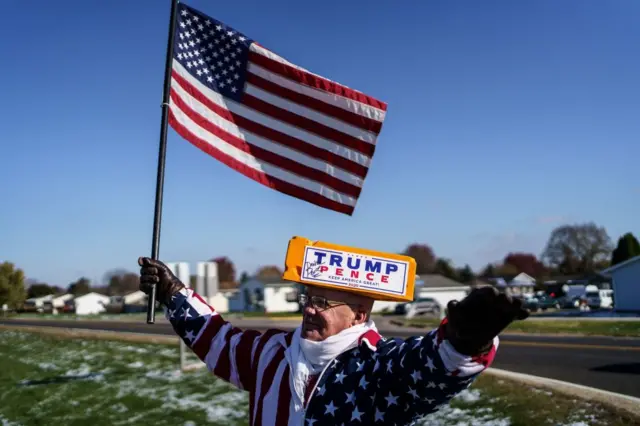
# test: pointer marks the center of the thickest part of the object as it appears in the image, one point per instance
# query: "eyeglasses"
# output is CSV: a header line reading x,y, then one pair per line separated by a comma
x,y
320,302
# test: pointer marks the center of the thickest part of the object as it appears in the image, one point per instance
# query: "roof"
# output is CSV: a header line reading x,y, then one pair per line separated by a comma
x,y
437,281
93,294
621,265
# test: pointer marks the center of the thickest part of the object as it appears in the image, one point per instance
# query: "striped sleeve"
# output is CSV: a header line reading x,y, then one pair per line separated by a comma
x,y
229,352
425,372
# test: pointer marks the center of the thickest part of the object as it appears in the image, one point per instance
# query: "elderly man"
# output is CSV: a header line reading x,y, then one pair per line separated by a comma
x,y
335,368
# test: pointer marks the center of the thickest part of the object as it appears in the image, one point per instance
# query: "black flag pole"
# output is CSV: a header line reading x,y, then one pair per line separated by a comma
x,y
162,151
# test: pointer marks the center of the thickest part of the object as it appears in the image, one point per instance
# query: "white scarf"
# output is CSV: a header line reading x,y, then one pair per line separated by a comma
x,y
306,358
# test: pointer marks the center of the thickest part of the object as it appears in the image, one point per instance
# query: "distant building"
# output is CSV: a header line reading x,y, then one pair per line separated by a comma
x,y
89,304
521,284
265,295
440,288
626,284
56,304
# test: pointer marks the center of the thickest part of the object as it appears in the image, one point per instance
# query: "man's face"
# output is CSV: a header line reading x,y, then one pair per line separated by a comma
x,y
346,310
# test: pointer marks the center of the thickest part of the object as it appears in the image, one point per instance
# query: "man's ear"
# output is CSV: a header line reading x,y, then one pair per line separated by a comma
x,y
360,316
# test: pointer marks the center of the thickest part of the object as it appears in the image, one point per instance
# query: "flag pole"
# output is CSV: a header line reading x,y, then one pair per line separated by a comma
x,y
162,151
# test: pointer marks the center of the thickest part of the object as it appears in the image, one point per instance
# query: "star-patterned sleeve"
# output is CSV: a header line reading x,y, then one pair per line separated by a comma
x,y
419,374
228,351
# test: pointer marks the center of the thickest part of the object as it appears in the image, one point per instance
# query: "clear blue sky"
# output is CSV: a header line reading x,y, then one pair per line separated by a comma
x,y
505,119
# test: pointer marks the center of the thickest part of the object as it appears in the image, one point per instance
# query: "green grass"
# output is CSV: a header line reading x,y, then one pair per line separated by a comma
x,y
49,379
46,380
525,405
554,326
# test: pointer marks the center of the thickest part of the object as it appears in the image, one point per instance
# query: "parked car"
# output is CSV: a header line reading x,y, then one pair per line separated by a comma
x,y
422,306
530,303
546,302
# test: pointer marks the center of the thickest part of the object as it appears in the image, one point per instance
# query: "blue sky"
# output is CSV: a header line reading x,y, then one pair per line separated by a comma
x,y
505,119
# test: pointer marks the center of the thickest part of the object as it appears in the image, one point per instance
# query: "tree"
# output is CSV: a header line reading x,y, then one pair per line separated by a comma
x,y
121,282
505,270
12,291
576,249
244,277
525,262
269,272
226,269
424,257
80,287
465,274
489,271
443,267
40,289
627,248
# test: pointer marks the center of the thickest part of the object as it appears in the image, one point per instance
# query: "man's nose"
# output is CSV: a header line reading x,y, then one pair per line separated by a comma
x,y
309,309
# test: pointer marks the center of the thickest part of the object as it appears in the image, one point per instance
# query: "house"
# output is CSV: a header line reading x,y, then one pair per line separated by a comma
x,y
626,284
265,295
440,288
90,304
56,303
36,304
521,284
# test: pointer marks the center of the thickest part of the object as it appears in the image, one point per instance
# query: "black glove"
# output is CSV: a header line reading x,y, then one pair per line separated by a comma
x,y
155,272
473,322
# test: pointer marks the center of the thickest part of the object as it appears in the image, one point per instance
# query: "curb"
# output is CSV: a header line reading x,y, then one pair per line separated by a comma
x,y
619,401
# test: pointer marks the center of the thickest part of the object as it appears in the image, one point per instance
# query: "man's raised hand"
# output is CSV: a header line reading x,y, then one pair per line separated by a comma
x,y
154,272
478,318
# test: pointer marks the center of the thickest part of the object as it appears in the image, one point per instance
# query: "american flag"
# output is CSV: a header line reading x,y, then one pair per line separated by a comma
x,y
275,122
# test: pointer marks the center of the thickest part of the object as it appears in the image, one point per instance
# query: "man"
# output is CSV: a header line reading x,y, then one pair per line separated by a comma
x,y
335,368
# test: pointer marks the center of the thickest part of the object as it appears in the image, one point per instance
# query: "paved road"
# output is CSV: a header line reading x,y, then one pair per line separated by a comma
x,y
607,363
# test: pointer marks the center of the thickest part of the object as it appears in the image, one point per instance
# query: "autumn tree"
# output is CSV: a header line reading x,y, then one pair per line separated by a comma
x,y
627,248
80,287
445,268
269,272
505,270
226,269
424,257
525,262
12,290
576,249
120,282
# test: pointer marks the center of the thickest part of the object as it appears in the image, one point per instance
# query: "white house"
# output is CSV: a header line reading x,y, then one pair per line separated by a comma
x,y
440,288
523,284
90,304
268,295
626,284
37,303
57,303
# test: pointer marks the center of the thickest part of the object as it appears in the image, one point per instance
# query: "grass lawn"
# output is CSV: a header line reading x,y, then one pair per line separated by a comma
x,y
49,379
554,326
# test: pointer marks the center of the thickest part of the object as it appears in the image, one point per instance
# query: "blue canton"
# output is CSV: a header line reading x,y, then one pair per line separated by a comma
x,y
213,53
399,383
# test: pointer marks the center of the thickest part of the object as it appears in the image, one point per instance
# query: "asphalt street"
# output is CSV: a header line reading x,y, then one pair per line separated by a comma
x,y
607,363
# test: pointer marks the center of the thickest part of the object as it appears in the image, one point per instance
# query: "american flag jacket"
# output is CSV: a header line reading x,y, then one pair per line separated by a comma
x,y
384,381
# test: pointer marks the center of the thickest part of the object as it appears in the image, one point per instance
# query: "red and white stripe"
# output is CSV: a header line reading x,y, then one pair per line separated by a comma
x,y
255,361
294,131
